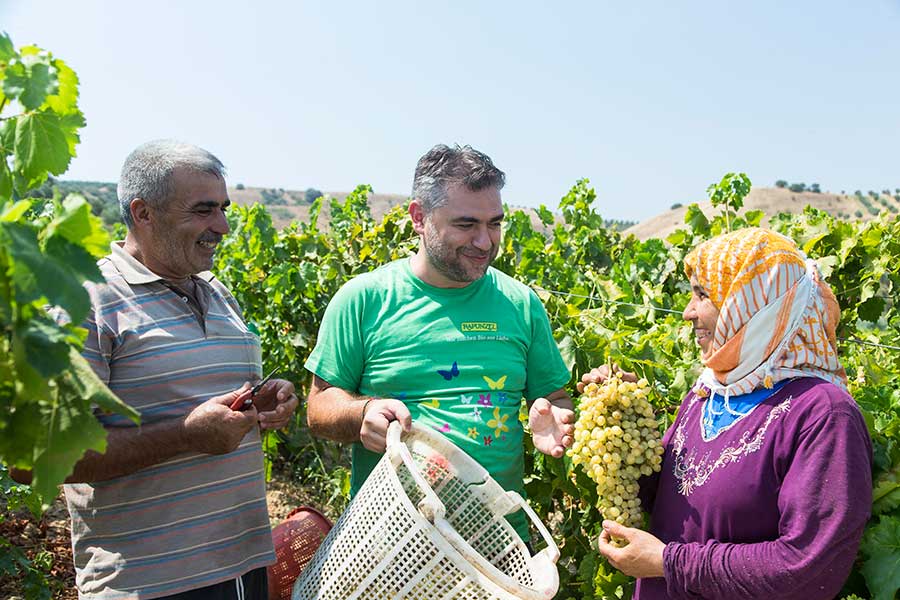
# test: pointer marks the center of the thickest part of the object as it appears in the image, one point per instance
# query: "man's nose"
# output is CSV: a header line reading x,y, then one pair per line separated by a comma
x,y
220,224
482,239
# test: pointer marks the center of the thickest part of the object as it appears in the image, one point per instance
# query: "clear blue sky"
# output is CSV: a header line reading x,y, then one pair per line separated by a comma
x,y
651,100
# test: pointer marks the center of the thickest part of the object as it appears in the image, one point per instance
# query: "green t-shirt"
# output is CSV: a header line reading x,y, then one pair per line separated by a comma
x,y
461,359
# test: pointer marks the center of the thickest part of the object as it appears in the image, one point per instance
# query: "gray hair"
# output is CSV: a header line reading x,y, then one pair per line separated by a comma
x,y
147,172
442,167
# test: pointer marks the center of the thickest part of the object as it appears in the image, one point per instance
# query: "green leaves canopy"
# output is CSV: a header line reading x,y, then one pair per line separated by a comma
x,y
882,567
48,249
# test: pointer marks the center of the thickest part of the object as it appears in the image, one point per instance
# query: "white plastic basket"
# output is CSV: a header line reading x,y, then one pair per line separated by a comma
x,y
429,523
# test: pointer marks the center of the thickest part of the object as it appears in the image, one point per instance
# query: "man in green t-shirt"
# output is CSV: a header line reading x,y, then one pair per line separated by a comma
x,y
442,337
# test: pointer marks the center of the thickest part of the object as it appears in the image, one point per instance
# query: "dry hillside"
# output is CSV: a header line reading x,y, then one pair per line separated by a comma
x,y
295,207
292,205
772,201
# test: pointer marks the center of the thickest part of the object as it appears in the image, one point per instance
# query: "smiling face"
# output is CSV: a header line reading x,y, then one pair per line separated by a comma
x,y
460,239
703,315
185,229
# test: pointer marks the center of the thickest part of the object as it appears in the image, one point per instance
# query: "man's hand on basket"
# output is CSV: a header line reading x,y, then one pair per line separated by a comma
x,y
600,374
377,414
552,423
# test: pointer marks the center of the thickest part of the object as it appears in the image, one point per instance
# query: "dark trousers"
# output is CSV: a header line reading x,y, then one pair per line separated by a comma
x,y
256,587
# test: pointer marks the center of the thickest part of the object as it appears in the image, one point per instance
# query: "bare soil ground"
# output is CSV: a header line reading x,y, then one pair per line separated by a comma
x,y
49,534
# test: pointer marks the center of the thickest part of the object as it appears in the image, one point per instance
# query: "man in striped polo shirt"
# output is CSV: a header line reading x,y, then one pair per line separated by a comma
x,y
175,508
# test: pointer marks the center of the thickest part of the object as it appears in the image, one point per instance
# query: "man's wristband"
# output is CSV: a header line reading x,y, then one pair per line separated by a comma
x,y
362,415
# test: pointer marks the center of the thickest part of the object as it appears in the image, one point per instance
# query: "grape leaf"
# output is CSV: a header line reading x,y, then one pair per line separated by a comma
x,y
881,567
83,381
15,78
677,237
697,221
18,495
886,492
871,309
754,217
13,212
36,275
41,147
65,98
41,82
46,346
76,224
608,580
587,567
827,265
71,429
730,191
24,425
6,181
70,425
30,79
545,215
81,264
7,50
70,123
8,135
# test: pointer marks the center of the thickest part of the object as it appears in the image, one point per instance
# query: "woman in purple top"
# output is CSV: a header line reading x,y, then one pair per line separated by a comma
x,y
766,482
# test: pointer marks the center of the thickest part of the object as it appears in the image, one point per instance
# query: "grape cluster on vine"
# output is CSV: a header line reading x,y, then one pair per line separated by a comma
x,y
616,442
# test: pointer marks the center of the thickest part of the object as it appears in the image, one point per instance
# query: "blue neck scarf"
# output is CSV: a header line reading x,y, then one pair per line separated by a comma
x,y
719,415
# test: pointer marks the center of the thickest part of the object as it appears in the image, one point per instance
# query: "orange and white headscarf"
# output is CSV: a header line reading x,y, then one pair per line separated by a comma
x,y
777,317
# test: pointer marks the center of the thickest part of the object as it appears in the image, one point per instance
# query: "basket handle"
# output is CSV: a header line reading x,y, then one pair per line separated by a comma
x,y
430,506
551,552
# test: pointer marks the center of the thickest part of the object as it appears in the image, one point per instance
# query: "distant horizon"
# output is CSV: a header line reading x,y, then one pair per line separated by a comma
x,y
278,209
233,184
651,102
553,207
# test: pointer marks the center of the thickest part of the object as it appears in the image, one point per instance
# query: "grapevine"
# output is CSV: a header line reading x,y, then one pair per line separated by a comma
x,y
616,442
619,294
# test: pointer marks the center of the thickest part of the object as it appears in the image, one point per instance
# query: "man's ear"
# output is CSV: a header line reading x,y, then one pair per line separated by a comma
x,y
140,211
417,214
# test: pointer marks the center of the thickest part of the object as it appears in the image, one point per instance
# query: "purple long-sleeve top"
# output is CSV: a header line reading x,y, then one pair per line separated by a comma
x,y
772,507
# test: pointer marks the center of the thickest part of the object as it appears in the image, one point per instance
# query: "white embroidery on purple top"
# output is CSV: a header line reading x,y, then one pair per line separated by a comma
x,y
692,471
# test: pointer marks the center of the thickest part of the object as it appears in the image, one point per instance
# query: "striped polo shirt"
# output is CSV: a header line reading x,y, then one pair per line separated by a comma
x,y
194,520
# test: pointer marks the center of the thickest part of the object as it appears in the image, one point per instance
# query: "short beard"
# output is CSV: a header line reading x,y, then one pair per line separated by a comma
x,y
438,255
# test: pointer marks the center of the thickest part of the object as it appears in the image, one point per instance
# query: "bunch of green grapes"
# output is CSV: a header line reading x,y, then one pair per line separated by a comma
x,y
616,441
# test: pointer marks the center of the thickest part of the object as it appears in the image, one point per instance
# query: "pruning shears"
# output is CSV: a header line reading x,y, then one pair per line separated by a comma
x,y
245,400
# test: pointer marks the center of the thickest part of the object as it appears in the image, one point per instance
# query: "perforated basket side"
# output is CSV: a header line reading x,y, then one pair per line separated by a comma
x,y
390,552
374,522
475,522
384,547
